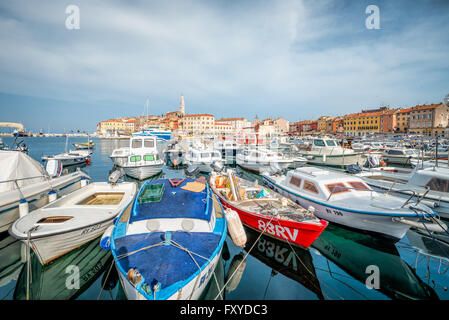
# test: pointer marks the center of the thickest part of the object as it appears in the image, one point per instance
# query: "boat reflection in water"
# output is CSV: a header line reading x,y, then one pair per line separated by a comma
x,y
429,256
291,261
213,290
56,281
12,259
354,252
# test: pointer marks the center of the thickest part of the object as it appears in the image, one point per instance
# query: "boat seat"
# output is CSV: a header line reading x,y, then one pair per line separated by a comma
x,y
165,263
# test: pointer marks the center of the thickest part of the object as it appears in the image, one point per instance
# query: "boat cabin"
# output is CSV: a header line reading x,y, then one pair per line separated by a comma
x,y
324,184
204,155
436,179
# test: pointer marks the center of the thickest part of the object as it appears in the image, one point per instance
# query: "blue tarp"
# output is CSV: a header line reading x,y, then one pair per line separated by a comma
x,y
181,204
166,264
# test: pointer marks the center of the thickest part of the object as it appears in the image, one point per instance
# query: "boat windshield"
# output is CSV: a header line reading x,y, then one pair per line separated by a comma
x,y
319,143
137,143
205,155
437,184
149,143
330,143
411,152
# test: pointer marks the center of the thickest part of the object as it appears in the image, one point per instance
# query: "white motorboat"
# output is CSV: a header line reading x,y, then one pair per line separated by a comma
x,y
174,154
429,184
72,157
26,186
203,157
329,153
347,200
262,159
228,150
402,156
141,160
73,220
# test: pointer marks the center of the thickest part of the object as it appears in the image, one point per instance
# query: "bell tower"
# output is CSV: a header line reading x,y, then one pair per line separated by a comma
x,y
181,105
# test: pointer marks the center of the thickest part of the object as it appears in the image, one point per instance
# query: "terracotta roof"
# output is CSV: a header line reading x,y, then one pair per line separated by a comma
x,y
199,115
232,119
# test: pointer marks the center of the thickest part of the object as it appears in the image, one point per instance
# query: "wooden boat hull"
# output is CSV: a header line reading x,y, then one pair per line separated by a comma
x,y
301,234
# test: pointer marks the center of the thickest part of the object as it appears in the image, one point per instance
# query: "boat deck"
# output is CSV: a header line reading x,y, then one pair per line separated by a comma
x,y
175,203
166,263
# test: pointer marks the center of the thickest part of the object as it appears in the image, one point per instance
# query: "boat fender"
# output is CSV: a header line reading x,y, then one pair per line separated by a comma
x,y
324,158
105,241
236,269
84,182
235,228
311,210
134,276
24,208
52,196
428,226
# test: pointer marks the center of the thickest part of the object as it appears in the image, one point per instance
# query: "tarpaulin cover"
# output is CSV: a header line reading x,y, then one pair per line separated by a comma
x,y
165,263
18,165
175,203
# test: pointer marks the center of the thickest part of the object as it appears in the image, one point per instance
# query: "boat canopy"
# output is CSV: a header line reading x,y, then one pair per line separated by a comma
x,y
21,167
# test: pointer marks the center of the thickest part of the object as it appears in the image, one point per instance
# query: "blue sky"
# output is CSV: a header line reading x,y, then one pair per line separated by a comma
x,y
295,59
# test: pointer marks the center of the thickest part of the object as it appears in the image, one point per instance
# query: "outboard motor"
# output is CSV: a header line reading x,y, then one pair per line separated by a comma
x,y
191,171
353,168
217,166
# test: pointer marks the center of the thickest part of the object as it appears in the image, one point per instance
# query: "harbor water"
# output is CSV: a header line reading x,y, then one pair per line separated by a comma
x,y
338,266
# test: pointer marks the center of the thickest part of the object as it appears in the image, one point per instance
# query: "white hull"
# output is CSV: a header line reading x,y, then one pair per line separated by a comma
x,y
203,167
191,291
52,247
39,198
372,223
333,160
263,166
143,172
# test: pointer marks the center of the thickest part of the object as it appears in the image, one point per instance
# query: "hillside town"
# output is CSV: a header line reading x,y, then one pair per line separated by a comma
x,y
427,120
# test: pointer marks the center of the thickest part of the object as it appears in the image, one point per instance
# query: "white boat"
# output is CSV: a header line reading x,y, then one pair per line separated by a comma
x,y
205,158
72,157
228,150
262,159
170,245
26,186
347,200
402,156
430,184
142,158
73,220
328,152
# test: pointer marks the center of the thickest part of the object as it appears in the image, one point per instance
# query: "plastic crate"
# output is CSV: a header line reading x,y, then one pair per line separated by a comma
x,y
152,193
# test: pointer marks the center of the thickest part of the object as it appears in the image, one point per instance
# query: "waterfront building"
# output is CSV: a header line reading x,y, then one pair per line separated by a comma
x,y
237,124
197,123
429,119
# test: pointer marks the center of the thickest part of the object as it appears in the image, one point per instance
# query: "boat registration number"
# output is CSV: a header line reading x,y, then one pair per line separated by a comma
x,y
91,229
277,230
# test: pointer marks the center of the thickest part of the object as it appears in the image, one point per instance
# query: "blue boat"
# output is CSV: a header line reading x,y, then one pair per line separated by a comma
x,y
169,241
163,135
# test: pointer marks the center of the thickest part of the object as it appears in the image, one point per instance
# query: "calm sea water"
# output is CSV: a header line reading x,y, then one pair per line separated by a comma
x,y
336,267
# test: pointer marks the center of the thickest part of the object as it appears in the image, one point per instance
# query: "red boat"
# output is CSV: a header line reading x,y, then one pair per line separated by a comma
x,y
265,210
